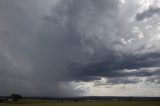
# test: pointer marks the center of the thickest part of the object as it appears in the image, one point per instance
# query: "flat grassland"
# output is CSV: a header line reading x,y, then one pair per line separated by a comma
x,y
81,103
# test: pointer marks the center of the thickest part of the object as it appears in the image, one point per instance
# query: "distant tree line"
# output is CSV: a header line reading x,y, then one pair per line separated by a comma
x,y
12,97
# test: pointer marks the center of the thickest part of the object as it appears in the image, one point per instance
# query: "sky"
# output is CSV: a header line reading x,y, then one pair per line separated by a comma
x,y
66,48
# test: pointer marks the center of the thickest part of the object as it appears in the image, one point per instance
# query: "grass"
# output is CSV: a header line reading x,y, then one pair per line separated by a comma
x,y
82,103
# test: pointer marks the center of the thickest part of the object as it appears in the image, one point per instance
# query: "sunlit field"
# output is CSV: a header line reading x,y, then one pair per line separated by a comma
x,y
81,103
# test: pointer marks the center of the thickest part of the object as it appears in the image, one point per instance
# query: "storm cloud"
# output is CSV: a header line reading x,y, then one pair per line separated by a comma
x,y
45,45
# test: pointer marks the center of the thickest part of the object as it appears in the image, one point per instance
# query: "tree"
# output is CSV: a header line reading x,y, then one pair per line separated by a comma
x,y
1,99
15,97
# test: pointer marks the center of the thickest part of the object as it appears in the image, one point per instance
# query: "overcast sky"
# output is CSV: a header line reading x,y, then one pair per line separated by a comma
x,y
80,47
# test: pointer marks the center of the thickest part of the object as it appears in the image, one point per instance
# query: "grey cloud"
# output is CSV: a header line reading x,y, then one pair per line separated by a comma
x,y
112,65
116,80
154,79
142,72
69,39
151,11
39,51
121,81
75,41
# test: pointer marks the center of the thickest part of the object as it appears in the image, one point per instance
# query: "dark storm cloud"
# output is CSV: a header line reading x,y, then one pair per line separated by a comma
x,y
151,11
37,52
112,66
75,41
68,39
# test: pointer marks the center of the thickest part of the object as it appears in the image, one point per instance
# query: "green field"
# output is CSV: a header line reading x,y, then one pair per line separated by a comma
x,y
84,103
